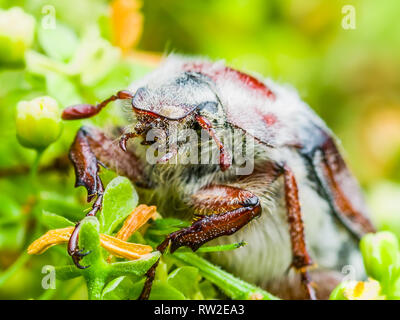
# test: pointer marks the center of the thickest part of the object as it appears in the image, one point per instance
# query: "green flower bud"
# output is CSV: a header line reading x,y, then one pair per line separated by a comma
x,y
381,254
357,290
38,122
17,30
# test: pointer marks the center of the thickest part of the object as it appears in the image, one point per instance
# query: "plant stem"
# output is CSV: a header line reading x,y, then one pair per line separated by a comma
x,y
22,259
95,286
219,248
34,168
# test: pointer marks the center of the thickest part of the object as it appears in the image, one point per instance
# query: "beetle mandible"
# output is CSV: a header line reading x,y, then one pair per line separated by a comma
x,y
309,208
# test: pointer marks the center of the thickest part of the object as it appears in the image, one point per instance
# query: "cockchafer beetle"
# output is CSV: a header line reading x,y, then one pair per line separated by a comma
x,y
309,207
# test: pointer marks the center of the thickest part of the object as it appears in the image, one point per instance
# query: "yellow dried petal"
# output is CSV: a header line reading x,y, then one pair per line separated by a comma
x,y
139,216
124,249
49,239
113,245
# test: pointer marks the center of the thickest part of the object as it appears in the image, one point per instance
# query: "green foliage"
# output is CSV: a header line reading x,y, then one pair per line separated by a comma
x,y
99,272
186,280
58,43
55,221
381,256
120,198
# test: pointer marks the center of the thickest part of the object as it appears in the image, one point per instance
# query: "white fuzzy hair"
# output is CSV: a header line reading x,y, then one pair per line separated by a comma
x,y
268,253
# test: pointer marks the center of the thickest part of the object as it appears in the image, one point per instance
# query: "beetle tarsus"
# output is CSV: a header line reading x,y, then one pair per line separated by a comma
x,y
73,248
82,254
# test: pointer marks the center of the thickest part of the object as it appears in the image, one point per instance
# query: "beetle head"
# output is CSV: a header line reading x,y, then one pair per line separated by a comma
x,y
176,98
186,100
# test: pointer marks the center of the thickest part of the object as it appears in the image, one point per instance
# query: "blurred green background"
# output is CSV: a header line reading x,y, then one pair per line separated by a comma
x,y
350,76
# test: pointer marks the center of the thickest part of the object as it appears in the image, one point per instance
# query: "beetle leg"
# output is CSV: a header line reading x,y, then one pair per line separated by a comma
x,y
89,148
224,210
341,184
301,258
337,184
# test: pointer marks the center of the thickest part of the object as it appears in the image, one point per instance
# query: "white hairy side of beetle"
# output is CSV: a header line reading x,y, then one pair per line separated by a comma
x,y
267,256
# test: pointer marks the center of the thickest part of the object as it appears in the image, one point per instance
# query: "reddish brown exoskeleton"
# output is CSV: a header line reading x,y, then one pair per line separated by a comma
x,y
312,209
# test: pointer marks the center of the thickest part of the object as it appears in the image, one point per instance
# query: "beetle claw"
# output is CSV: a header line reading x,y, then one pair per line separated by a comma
x,y
77,257
82,254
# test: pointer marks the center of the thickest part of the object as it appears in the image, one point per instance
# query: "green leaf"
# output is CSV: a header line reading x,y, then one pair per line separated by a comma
x,y
186,280
54,221
120,198
233,287
163,291
160,290
59,43
208,290
117,289
135,267
109,291
52,202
